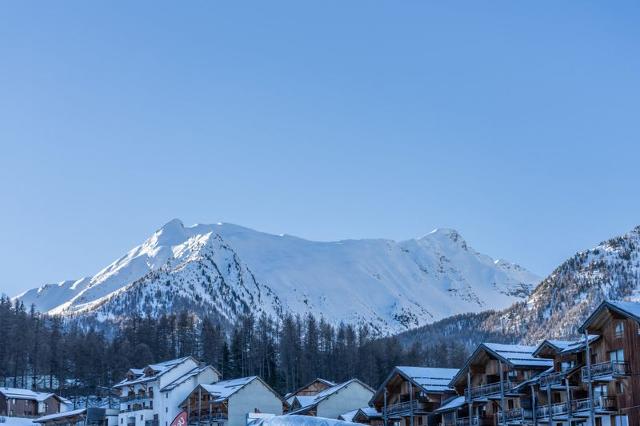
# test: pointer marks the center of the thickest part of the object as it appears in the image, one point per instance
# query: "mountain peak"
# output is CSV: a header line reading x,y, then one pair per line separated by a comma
x,y
227,269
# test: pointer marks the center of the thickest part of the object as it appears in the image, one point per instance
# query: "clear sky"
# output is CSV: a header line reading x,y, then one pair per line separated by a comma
x,y
517,123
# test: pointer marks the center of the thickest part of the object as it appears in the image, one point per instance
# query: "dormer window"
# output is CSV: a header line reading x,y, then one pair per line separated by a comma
x,y
619,330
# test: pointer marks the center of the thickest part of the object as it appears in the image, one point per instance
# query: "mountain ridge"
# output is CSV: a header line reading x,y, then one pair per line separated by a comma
x,y
388,285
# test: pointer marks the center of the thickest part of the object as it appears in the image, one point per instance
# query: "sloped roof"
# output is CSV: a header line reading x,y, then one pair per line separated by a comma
x,y
180,380
224,389
349,415
61,415
18,393
160,368
307,402
625,308
515,356
429,379
221,391
564,346
368,412
326,382
451,404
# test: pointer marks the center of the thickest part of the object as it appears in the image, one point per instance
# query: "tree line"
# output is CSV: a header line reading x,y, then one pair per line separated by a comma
x,y
74,359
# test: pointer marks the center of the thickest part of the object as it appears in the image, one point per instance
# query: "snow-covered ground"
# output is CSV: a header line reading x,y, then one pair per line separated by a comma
x,y
16,421
300,421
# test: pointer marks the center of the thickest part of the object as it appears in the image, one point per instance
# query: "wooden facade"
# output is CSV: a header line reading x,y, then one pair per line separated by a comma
x,y
490,383
15,405
410,395
615,360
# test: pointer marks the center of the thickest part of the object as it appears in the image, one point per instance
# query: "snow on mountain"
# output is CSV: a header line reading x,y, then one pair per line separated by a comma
x,y
563,300
226,270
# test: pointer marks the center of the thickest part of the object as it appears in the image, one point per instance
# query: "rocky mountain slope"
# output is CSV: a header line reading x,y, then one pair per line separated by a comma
x,y
225,270
558,305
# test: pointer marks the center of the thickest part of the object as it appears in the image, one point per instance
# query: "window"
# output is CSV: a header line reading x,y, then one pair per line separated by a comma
x,y
166,409
600,390
513,374
616,356
567,365
620,387
621,421
619,329
121,420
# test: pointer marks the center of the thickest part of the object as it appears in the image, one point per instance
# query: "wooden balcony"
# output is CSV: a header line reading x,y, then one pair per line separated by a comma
x,y
474,421
401,408
212,419
602,403
488,389
553,379
548,411
606,369
515,415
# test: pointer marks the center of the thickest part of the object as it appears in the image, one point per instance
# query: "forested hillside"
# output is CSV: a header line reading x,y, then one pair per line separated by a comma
x,y
81,360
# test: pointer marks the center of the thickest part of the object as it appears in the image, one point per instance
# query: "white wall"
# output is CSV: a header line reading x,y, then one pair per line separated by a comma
x,y
252,396
165,404
349,398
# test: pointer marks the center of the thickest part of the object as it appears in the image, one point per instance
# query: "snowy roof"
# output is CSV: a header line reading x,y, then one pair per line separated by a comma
x,y
368,412
290,395
18,393
516,356
348,416
428,378
221,391
159,369
180,380
565,346
61,415
295,420
307,402
371,412
451,404
626,308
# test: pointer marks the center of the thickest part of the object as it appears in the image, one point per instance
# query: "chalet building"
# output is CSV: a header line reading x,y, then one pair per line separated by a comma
x,y
16,402
81,417
409,396
557,396
612,364
231,402
364,415
333,401
150,396
313,388
491,383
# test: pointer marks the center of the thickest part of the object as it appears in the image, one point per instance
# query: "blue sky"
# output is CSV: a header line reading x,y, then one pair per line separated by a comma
x,y
516,123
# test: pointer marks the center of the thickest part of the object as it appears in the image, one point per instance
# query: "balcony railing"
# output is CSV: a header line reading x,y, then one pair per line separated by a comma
x,y
468,421
474,421
137,398
208,419
401,408
601,403
552,379
488,389
546,411
603,369
516,414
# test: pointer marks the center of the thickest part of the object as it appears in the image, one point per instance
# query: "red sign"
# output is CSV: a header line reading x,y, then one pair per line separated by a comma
x,y
180,420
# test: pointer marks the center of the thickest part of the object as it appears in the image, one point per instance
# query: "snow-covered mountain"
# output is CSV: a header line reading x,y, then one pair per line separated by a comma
x,y
226,270
558,305
563,300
